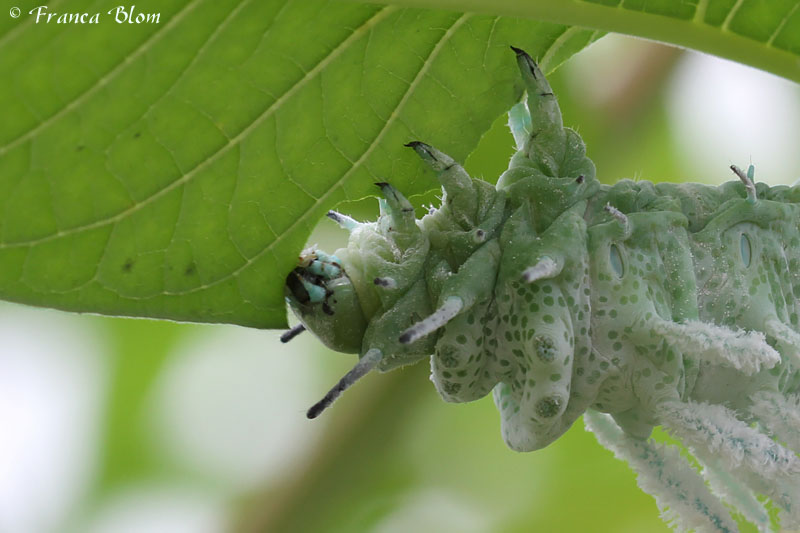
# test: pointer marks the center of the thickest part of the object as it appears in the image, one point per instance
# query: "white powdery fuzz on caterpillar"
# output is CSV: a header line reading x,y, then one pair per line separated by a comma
x,y
780,415
746,351
787,340
731,491
713,433
716,429
680,493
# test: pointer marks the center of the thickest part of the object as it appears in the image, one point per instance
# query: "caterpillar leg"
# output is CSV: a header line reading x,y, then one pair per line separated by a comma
x,y
715,434
473,283
662,472
542,330
462,363
780,415
746,351
535,365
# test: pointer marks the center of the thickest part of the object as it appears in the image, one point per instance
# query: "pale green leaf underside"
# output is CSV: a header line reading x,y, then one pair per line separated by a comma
x,y
174,171
761,33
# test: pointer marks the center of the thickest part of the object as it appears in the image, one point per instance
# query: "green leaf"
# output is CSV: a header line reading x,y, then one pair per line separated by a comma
x,y
174,170
761,33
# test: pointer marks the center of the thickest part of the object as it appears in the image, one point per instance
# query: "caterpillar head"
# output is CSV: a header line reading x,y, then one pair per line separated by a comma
x,y
359,299
323,297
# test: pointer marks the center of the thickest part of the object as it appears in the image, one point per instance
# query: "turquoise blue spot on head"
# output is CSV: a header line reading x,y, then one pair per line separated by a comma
x,y
316,293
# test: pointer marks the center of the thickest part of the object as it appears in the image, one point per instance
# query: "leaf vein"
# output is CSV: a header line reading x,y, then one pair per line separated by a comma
x,y
102,82
271,109
782,23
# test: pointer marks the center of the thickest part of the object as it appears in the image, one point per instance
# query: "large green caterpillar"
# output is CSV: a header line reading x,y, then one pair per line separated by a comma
x,y
636,304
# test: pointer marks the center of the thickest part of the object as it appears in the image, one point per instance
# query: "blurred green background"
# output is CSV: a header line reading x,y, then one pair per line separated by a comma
x,y
114,425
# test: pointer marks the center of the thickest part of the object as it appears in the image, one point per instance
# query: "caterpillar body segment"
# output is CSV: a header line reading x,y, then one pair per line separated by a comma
x,y
673,305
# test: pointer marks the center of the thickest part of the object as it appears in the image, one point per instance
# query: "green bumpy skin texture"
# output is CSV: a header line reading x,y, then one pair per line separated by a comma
x,y
639,304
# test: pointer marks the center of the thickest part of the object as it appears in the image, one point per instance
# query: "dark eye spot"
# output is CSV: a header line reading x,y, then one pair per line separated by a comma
x,y
615,258
295,284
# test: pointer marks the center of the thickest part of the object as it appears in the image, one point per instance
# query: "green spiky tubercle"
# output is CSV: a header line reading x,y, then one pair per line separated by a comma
x,y
550,170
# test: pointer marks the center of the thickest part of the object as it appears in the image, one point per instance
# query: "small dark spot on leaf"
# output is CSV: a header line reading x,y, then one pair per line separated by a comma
x,y
128,265
137,134
79,148
191,269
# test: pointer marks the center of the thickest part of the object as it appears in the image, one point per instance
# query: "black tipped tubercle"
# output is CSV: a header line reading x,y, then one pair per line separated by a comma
x,y
361,368
323,404
292,333
420,147
531,63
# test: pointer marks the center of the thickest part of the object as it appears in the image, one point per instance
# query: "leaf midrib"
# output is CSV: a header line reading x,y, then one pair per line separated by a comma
x,y
691,33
